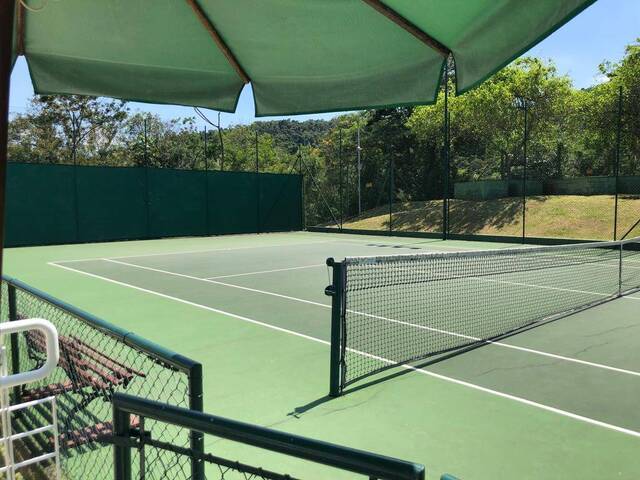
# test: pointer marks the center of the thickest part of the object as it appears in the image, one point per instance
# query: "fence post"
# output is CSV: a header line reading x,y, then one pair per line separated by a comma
x,y
196,439
206,184
446,166
15,340
524,171
340,182
146,180
257,185
336,292
391,188
617,164
303,203
121,452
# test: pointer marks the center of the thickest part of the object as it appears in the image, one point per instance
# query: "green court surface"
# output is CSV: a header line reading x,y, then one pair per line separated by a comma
x,y
556,402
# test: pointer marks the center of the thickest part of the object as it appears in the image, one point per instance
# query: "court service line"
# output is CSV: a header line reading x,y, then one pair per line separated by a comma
x,y
391,320
186,252
445,378
267,271
215,282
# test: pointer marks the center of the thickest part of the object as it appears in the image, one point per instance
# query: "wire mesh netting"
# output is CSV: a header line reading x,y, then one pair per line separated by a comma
x,y
152,455
408,307
519,167
95,361
486,176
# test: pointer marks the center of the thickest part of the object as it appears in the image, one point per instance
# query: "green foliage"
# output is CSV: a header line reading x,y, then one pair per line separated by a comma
x,y
570,133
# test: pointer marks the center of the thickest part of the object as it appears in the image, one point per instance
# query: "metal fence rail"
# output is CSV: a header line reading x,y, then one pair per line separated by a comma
x,y
148,442
97,360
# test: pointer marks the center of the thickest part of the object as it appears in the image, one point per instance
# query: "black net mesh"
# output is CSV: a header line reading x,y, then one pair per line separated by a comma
x,y
94,363
408,307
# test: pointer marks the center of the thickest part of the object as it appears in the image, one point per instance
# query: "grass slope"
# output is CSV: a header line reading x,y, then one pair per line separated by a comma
x,y
557,216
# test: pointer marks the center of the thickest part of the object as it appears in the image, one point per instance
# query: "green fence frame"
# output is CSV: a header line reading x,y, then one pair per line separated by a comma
x,y
345,458
188,367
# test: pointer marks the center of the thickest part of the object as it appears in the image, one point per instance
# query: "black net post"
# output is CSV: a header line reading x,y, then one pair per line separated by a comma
x,y
617,165
337,294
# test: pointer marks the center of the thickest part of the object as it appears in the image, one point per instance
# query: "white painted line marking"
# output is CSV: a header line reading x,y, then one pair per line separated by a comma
x,y
473,386
391,320
267,271
186,252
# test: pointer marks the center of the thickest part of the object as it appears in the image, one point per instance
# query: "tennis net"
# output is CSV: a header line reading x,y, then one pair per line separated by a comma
x,y
391,310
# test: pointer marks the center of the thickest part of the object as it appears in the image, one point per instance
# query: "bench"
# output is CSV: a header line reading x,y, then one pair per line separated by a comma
x,y
91,374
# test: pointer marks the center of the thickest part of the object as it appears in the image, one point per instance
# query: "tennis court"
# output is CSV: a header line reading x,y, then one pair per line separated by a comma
x,y
557,401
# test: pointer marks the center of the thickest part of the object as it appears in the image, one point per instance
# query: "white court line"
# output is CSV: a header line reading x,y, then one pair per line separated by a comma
x,y
267,271
215,282
186,252
412,325
456,381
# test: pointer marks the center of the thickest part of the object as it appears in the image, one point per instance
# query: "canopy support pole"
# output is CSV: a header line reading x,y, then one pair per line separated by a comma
x,y
6,40
405,24
224,48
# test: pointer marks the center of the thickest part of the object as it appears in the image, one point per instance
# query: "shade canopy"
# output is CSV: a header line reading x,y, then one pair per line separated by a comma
x,y
301,56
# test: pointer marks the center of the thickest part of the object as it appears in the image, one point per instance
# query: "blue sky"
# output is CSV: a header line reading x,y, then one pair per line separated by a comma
x,y
600,33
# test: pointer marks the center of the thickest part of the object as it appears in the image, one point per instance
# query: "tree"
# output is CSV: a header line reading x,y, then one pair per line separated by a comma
x,y
81,121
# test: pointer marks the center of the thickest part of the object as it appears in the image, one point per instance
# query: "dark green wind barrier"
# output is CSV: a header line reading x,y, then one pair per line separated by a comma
x,y
56,204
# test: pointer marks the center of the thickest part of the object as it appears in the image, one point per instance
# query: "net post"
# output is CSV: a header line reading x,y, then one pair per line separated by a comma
x,y
620,269
15,345
196,439
121,451
336,292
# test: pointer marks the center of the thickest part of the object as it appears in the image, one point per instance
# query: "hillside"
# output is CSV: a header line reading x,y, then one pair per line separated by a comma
x,y
559,216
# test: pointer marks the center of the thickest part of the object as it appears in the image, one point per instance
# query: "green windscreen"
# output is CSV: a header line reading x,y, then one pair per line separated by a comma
x,y
177,203
54,204
40,205
280,202
233,202
111,203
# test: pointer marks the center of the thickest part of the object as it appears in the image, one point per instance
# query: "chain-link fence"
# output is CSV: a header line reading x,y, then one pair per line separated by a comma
x,y
279,450
96,360
544,173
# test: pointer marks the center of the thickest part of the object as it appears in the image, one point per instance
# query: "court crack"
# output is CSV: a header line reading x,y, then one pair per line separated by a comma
x,y
520,367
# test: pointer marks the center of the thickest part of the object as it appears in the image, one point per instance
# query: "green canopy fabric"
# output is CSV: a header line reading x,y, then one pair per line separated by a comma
x,y
301,56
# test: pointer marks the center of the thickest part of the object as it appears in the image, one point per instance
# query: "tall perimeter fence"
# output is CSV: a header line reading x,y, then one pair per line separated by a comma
x,y
538,176
56,204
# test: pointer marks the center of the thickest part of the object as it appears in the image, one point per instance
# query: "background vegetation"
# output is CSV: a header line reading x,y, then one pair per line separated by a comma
x,y
571,133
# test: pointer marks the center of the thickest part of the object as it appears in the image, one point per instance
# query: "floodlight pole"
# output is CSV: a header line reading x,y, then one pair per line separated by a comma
x,y
6,38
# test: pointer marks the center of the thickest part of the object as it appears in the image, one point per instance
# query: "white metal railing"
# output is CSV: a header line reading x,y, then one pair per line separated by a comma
x,y
6,410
